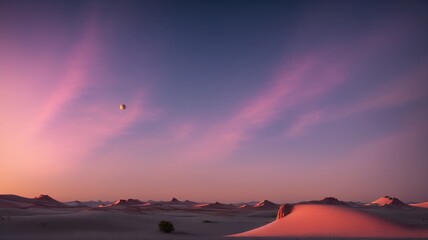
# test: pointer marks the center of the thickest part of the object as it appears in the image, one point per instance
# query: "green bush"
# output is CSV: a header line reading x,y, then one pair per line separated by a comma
x,y
166,226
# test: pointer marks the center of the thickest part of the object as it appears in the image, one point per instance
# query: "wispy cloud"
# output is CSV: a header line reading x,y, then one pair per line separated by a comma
x,y
298,86
70,122
293,85
403,90
74,79
183,131
95,123
303,122
400,91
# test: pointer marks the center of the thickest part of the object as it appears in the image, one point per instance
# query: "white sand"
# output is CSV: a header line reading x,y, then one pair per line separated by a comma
x,y
82,223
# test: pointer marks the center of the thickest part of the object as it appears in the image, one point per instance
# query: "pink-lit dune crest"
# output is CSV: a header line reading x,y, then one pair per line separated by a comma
x,y
422,204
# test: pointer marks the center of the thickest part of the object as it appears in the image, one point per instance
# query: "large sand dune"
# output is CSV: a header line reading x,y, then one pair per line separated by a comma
x,y
317,220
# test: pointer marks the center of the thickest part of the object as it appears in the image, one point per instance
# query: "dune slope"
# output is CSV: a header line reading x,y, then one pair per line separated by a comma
x,y
333,221
422,205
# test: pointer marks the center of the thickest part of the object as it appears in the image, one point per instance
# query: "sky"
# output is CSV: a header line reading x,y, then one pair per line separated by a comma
x,y
226,100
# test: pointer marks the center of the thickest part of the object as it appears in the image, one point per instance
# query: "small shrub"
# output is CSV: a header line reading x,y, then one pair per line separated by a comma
x,y
166,226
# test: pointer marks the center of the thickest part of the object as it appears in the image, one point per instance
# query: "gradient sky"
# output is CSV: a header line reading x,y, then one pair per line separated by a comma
x,y
226,100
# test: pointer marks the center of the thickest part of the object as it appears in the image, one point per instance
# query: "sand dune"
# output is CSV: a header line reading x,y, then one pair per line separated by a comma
x,y
315,220
76,204
87,203
134,201
137,205
122,204
265,204
388,201
245,206
47,201
216,205
422,205
175,202
14,201
328,200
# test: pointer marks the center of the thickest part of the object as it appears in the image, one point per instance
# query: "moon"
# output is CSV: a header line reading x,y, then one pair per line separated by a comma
x,y
122,106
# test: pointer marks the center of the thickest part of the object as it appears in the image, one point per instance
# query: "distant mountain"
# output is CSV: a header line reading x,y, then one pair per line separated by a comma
x,y
388,201
266,204
119,204
216,205
76,204
122,203
14,201
245,206
134,202
173,202
96,203
329,201
47,201
190,203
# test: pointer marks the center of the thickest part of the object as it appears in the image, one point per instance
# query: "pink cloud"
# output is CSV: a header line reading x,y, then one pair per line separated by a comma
x,y
401,91
39,92
293,85
300,82
303,122
74,79
95,124
53,125
183,131
216,140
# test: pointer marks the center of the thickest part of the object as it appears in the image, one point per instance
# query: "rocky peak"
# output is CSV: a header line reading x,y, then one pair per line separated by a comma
x,y
284,210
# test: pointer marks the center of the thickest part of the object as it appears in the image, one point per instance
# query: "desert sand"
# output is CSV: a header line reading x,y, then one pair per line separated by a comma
x,y
322,220
46,218
25,218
